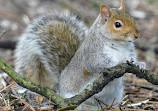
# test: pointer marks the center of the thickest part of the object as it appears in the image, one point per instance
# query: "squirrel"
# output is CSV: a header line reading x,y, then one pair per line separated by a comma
x,y
60,52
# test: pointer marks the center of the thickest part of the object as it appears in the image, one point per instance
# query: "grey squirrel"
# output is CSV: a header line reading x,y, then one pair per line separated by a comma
x,y
60,52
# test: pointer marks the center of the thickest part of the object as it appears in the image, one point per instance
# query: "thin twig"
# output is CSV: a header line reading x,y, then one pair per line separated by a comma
x,y
28,105
3,100
111,106
99,103
8,87
147,87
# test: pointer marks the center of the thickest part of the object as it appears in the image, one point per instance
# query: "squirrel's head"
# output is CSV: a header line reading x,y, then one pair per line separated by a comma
x,y
120,25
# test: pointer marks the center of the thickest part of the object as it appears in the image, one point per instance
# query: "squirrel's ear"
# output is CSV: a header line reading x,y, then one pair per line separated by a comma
x,y
122,6
105,13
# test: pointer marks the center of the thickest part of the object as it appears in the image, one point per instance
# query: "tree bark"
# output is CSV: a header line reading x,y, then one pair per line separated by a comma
x,y
101,81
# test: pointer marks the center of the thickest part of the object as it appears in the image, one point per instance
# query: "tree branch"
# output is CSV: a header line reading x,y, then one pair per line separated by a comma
x,y
103,79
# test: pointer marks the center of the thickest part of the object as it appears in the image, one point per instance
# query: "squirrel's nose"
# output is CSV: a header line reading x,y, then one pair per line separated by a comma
x,y
136,36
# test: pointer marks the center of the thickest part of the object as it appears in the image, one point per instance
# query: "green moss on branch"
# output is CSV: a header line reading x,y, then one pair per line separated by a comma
x,y
103,79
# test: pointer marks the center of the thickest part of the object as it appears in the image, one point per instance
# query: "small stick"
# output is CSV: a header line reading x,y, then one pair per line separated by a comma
x,y
147,87
8,87
27,105
99,103
3,100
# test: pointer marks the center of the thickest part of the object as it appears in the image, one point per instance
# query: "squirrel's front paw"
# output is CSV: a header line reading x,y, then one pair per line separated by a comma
x,y
141,65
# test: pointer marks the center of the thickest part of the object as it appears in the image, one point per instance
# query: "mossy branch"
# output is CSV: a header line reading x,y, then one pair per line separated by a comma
x,y
103,79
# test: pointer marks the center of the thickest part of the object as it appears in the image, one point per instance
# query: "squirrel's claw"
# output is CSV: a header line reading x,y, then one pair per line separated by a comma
x,y
141,65
130,62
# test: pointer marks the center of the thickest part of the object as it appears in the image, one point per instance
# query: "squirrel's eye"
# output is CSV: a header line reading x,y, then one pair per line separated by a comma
x,y
118,25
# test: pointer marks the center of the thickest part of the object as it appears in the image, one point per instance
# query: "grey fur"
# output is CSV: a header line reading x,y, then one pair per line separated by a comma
x,y
37,58
97,52
34,52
